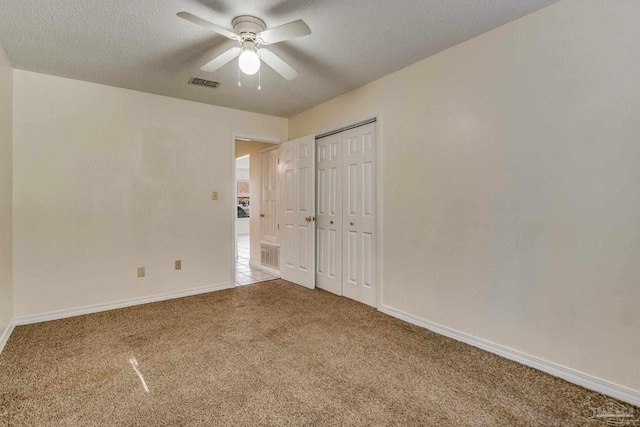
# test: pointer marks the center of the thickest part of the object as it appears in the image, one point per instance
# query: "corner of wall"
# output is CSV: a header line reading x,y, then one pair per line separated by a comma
x,y
6,199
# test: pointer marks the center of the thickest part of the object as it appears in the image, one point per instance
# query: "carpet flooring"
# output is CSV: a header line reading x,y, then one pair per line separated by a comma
x,y
271,354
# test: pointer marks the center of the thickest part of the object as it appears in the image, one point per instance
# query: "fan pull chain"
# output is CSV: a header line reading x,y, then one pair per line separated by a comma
x,y
259,72
239,84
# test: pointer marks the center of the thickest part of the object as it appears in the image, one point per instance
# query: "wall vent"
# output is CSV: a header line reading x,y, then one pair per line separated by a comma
x,y
203,82
270,256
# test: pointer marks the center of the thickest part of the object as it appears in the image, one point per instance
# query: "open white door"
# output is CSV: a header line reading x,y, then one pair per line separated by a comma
x,y
297,211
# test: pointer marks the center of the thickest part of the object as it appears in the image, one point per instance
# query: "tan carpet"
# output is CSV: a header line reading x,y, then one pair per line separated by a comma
x,y
268,354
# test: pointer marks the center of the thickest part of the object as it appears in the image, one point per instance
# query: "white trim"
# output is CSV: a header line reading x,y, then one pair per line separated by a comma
x,y
264,150
233,203
234,188
379,210
346,128
573,376
6,334
264,268
89,309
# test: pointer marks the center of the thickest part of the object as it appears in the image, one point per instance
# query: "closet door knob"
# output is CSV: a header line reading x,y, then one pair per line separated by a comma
x,y
330,222
261,215
351,223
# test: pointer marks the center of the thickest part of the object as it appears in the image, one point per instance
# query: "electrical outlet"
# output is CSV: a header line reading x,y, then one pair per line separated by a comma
x,y
214,195
178,264
140,271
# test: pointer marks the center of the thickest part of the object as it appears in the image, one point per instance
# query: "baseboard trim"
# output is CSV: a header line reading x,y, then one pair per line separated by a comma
x,y
6,334
264,268
573,376
89,309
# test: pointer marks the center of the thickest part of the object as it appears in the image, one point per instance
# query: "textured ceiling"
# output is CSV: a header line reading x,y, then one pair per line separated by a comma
x,y
143,45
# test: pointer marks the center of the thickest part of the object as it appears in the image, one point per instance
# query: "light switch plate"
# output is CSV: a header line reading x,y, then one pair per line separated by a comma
x,y
214,195
178,264
140,271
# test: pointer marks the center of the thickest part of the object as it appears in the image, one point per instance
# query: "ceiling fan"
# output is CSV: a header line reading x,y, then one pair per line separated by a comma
x,y
251,33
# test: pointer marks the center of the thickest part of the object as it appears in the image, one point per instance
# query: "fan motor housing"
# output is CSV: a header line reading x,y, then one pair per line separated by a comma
x,y
248,26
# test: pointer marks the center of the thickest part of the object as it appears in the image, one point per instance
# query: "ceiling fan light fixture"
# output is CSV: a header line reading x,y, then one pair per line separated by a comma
x,y
251,33
249,61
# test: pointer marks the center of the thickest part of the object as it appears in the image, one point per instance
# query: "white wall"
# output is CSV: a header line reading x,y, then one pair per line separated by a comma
x,y
242,226
242,174
6,168
515,159
108,179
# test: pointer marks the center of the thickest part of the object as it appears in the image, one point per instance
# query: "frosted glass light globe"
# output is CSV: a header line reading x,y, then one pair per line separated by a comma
x,y
249,61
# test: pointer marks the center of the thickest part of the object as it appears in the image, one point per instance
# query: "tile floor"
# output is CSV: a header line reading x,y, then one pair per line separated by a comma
x,y
245,274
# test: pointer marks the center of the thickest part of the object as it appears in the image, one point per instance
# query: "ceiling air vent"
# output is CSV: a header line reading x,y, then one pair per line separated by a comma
x,y
202,82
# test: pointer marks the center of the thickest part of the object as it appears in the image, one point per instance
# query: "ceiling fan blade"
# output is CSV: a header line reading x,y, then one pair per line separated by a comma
x,y
284,32
206,24
221,60
277,64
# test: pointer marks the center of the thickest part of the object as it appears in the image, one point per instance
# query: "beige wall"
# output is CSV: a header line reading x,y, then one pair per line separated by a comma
x,y
253,149
6,125
510,185
107,179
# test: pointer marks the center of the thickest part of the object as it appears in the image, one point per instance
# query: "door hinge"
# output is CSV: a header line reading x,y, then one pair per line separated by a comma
x,y
278,161
278,226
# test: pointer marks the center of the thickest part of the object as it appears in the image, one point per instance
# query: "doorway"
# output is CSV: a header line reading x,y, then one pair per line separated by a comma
x,y
248,224
324,235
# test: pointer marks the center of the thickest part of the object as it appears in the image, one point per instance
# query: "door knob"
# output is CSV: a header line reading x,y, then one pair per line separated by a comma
x,y
330,222
261,215
308,219
351,223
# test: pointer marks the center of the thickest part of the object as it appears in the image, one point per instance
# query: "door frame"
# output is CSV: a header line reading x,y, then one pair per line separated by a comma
x,y
233,211
379,121
275,272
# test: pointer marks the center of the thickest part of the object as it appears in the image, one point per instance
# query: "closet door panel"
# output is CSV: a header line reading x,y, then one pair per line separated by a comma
x,y
359,198
329,214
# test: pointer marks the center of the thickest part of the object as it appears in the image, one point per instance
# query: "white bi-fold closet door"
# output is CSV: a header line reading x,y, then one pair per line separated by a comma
x,y
346,213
